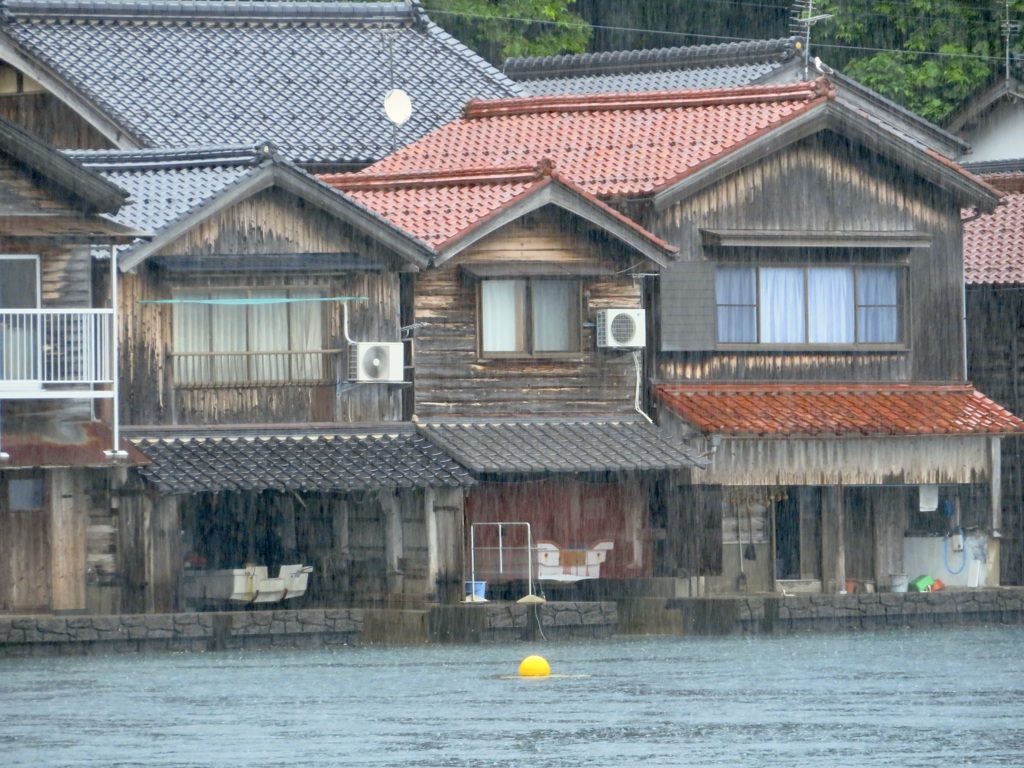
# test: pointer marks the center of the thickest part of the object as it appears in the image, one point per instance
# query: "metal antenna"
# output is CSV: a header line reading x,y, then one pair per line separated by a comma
x,y
803,24
397,106
1009,28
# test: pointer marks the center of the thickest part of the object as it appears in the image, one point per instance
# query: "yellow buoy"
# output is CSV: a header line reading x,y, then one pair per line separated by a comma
x,y
534,666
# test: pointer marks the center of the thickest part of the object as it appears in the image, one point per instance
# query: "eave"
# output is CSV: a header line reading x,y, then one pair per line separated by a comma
x,y
84,186
970,191
573,200
764,238
274,174
118,134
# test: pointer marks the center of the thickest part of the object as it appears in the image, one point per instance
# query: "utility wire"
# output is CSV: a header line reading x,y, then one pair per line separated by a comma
x,y
724,38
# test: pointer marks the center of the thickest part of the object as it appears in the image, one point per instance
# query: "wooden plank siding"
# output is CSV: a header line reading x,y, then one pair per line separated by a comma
x,y
49,119
452,377
995,363
271,222
573,513
823,184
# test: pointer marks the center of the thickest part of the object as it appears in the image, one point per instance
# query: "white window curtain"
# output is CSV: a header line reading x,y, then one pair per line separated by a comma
x,y
782,305
191,334
878,316
830,307
736,296
268,332
555,315
502,315
229,336
306,329
249,326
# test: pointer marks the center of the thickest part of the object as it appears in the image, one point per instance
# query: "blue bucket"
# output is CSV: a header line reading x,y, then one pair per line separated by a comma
x,y
476,589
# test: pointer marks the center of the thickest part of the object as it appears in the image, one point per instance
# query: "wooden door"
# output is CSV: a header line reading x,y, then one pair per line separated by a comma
x,y
24,543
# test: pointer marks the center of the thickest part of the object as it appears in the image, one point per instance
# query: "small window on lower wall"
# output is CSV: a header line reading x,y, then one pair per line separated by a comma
x,y
529,317
24,494
838,306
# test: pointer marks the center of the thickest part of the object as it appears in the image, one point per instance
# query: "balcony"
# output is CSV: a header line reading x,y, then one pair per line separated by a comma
x,y
56,353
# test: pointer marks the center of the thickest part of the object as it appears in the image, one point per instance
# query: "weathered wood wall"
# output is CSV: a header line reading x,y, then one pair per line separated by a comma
x,y
995,363
49,119
826,184
573,513
269,223
65,269
453,377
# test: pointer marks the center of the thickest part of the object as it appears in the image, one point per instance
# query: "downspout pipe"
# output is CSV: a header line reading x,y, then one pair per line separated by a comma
x,y
115,354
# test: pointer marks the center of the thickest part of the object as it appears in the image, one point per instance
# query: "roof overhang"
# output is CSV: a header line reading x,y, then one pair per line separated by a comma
x,y
274,173
370,458
66,229
810,410
569,198
544,446
969,190
40,444
768,238
87,189
975,106
119,135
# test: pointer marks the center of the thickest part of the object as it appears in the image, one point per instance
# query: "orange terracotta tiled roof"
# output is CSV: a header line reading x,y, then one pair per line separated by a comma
x,y
440,207
994,244
609,144
820,409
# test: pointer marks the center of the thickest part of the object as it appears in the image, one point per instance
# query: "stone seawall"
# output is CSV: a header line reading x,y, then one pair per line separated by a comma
x,y
511,622
242,630
754,614
313,628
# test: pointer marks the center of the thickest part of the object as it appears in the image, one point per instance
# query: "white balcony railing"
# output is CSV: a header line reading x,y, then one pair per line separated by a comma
x,y
55,352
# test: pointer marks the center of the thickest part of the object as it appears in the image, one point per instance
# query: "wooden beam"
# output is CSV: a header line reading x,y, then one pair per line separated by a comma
x,y
761,238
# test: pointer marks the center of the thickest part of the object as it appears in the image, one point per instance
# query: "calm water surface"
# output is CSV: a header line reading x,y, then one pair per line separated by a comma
x,y
948,698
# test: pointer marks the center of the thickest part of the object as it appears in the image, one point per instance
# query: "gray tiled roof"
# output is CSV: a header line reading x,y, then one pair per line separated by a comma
x,y
164,186
167,187
533,447
662,69
391,457
308,76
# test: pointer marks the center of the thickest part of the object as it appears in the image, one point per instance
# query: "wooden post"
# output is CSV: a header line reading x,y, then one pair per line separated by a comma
x,y
833,554
393,547
163,555
996,483
433,545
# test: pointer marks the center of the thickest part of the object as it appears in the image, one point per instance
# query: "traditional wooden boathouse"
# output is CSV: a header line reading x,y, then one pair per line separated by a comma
x,y
819,264
524,375
264,377
58,364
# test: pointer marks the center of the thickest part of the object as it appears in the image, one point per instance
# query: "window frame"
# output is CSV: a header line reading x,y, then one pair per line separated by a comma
x,y
250,357
38,480
29,328
574,321
901,271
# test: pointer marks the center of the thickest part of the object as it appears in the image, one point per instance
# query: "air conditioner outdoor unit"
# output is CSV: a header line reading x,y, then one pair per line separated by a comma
x,y
376,361
621,328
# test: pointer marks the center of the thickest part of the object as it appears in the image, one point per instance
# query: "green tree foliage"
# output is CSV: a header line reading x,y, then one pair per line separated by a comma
x,y
498,29
928,55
